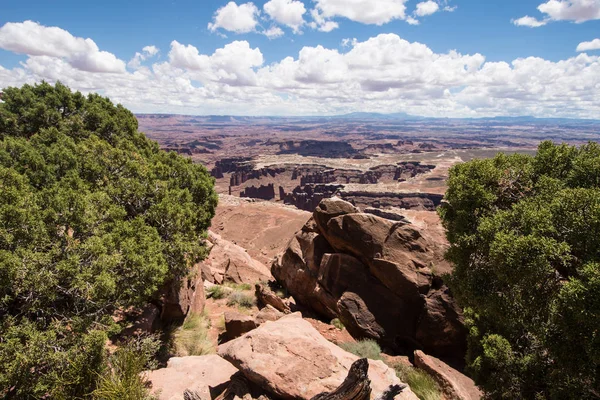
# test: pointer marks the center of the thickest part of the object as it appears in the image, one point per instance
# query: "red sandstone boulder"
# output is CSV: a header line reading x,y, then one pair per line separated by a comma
x,y
237,324
291,360
455,385
376,276
181,298
228,262
268,313
331,208
207,376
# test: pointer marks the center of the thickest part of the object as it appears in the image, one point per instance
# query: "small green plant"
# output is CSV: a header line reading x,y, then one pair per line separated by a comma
x,y
122,378
241,299
365,348
338,324
420,382
191,339
238,286
216,292
220,325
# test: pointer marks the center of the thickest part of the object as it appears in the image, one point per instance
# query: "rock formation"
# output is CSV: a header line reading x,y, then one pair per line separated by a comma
x,y
455,385
206,376
289,359
237,324
228,262
182,297
376,276
263,192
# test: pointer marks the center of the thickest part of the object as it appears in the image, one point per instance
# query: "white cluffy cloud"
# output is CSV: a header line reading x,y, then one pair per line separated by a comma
x,y
427,8
273,32
234,18
365,11
577,11
528,21
33,39
587,46
147,52
286,12
384,73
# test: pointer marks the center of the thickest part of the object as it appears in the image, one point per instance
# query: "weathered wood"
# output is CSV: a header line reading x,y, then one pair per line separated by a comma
x,y
356,386
191,395
265,296
391,392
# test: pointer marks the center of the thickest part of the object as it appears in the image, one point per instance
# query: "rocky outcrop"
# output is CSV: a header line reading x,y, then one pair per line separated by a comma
x,y
309,196
410,201
289,359
237,324
206,376
455,385
266,297
263,192
228,262
391,215
376,276
182,297
268,313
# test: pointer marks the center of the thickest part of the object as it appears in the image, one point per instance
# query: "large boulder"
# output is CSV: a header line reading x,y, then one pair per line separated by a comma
x,y
298,269
455,385
377,276
182,297
207,376
291,360
331,208
237,324
268,313
228,262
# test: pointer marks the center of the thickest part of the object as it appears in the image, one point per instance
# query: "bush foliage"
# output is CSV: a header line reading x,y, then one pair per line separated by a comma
x,y
525,241
364,348
93,217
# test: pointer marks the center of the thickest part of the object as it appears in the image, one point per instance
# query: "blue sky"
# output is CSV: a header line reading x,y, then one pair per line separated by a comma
x,y
491,28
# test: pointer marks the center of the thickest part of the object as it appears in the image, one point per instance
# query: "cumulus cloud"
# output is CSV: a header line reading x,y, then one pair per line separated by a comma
x,y
150,50
33,39
286,12
384,73
147,52
528,21
273,32
587,46
577,11
321,23
427,8
234,18
365,11
347,42
232,65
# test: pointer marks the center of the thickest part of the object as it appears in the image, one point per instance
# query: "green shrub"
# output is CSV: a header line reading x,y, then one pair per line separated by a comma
x,y
241,299
419,381
337,323
365,348
192,339
94,217
122,378
216,292
525,239
239,286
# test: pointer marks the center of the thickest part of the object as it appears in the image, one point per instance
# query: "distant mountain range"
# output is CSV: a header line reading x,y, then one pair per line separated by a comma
x,y
371,116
